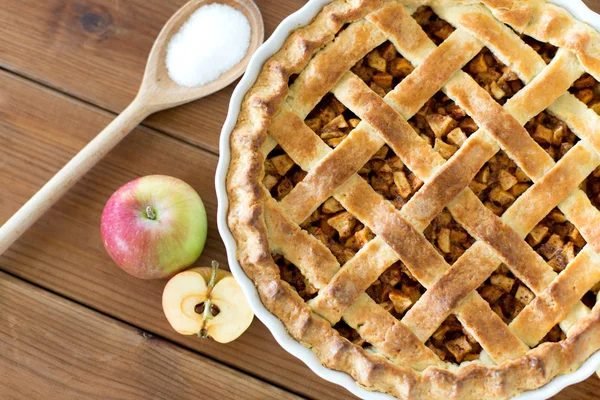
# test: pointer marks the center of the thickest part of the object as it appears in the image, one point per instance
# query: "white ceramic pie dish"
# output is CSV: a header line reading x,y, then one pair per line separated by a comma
x,y
271,46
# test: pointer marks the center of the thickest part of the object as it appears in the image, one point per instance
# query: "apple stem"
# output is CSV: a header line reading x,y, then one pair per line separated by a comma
x,y
213,275
207,314
150,213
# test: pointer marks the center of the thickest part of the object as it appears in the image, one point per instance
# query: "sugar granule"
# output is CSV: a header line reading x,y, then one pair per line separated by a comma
x,y
210,42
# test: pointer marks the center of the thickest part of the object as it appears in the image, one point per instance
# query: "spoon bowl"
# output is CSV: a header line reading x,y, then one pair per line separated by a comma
x,y
164,92
157,92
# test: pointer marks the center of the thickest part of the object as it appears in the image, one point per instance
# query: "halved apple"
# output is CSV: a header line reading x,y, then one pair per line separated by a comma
x,y
208,302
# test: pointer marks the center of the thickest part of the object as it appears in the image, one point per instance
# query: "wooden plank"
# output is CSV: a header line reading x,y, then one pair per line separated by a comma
x,y
39,131
97,52
72,352
587,390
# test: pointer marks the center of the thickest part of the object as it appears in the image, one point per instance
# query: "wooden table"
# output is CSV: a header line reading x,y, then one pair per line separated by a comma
x,y
73,325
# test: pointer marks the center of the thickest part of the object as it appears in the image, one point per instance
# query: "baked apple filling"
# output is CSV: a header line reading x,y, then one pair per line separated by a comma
x,y
489,72
396,290
591,186
556,239
507,297
552,134
506,294
337,229
443,124
587,90
383,68
546,50
331,120
350,334
281,173
292,275
452,343
499,183
389,177
496,78
450,239
436,28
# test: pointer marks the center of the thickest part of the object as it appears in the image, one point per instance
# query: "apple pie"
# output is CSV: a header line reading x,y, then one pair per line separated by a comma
x,y
414,189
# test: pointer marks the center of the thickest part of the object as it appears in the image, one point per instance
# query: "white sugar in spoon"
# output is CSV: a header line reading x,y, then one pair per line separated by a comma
x,y
157,92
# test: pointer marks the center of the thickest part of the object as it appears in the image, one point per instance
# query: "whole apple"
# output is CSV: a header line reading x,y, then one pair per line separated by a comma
x,y
154,226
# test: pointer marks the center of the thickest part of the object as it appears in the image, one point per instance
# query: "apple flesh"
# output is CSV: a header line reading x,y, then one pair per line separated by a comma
x,y
154,226
207,302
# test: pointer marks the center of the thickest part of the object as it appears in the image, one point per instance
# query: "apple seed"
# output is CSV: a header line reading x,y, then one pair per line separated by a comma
x,y
214,309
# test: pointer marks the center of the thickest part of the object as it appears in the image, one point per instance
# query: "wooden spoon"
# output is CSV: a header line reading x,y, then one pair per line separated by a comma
x,y
157,92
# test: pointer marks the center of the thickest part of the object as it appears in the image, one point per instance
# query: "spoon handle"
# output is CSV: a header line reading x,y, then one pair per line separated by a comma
x,y
79,165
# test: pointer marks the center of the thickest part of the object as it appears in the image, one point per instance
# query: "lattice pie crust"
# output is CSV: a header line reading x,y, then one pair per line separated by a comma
x,y
413,189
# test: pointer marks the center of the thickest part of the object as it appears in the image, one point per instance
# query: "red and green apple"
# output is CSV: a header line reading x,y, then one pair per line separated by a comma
x,y
154,226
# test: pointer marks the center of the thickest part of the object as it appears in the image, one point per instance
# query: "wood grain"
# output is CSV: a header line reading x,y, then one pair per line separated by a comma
x,y
96,51
157,92
52,348
40,129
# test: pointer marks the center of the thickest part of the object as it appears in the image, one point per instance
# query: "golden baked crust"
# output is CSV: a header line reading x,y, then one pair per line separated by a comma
x,y
462,284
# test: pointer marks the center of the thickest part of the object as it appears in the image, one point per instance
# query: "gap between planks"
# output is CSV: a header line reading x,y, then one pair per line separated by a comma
x,y
70,350
72,97
5,275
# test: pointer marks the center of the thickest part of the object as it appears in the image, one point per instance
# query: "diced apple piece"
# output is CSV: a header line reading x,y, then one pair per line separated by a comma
x,y
501,197
537,234
477,187
457,137
506,179
478,65
331,206
354,122
364,236
270,181
335,124
344,223
282,164
400,301
497,91
440,124
402,183
524,295
335,142
443,240
503,282
543,135
459,348
491,293
446,150
383,80
401,67
519,189
522,176
374,60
